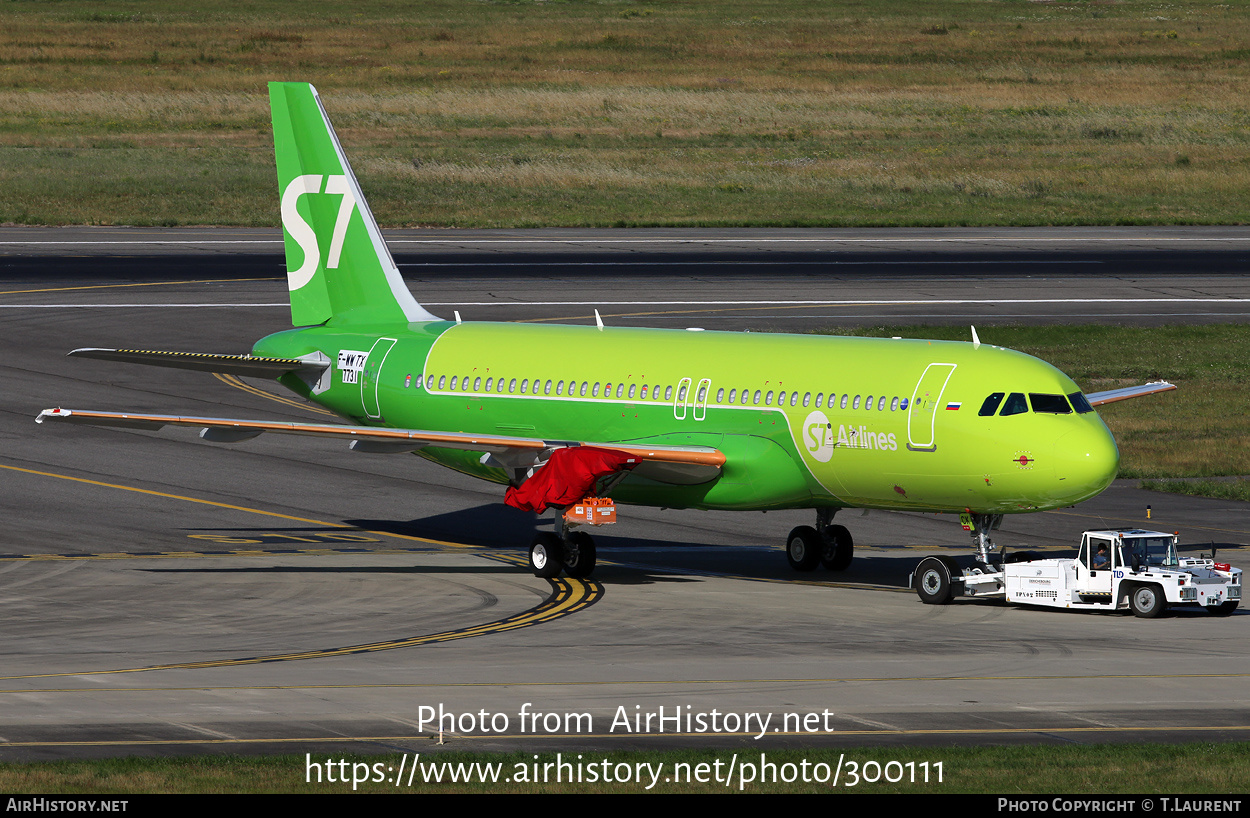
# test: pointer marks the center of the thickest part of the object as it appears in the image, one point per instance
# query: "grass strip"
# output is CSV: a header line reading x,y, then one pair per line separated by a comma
x,y
615,112
1201,768
1217,489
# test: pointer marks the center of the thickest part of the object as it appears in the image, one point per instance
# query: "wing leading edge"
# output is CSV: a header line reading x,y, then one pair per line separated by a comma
x,y
1113,395
684,464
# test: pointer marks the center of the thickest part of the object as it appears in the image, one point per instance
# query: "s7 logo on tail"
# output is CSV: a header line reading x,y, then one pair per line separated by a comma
x,y
304,234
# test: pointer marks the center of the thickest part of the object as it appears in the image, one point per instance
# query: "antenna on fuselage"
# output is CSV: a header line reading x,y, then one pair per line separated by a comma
x,y
598,321
976,342
457,313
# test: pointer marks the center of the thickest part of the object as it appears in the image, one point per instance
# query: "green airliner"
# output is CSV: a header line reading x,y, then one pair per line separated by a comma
x,y
708,420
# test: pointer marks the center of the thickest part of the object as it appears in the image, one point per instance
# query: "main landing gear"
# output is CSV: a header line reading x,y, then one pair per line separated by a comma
x,y
568,549
827,544
574,552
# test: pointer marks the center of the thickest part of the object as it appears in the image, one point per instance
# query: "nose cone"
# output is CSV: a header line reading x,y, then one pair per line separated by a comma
x,y
1086,460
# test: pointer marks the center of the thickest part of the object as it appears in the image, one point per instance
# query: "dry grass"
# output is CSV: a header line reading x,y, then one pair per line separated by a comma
x,y
494,114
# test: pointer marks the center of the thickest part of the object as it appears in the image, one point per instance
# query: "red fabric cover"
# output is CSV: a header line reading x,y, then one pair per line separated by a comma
x,y
567,477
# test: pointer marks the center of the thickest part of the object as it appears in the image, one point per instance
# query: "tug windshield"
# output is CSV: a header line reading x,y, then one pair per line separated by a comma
x,y
1156,551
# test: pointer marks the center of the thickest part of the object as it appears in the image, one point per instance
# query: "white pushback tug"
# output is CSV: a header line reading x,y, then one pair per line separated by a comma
x,y
1114,570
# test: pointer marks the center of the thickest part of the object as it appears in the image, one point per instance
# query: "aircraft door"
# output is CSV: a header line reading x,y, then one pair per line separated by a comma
x,y
371,376
682,399
926,402
700,398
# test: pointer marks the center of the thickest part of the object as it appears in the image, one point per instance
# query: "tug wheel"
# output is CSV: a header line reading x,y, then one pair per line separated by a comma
x,y
1147,601
1224,609
934,580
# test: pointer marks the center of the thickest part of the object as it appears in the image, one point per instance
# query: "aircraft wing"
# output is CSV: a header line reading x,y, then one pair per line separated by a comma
x,y
676,464
249,365
1113,395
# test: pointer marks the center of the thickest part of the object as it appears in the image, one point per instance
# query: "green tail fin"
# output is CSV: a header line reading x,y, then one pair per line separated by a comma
x,y
338,265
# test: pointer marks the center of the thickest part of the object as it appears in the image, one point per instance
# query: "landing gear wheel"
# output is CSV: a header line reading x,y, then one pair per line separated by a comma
x,y
545,555
839,548
934,580
1222,610
1147,601
803,548
579,555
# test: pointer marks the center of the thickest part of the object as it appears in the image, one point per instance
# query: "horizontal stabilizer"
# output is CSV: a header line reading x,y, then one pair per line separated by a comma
x,y
517,451
1113,395
248,365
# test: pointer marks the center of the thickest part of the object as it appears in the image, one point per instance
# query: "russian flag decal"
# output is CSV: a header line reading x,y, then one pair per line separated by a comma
x,y
954,406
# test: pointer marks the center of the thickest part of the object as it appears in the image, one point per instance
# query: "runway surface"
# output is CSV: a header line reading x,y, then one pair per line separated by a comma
x,y
163,595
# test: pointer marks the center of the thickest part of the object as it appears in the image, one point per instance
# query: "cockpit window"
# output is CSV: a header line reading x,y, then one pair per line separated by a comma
x,y
1050,404
991,405
1015,405
1079,403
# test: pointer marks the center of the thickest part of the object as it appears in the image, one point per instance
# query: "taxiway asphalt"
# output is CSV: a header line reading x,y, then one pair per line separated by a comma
x,y
165,595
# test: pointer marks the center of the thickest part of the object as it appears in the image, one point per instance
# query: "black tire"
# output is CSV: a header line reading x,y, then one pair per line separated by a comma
x,y
935,584
803,548
546,555
839,548
1147,601
1226,609
579,555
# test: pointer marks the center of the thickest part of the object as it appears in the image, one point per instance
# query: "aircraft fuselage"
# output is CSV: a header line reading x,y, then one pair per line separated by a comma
x,y
803,420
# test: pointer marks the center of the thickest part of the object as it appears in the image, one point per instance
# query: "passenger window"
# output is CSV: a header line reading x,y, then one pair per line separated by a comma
x,y
1050,404
490,383
844,399
702,396
1015,405
733,395
594,390
794,399
681,394
768,399
868,402
633,387
894,404
1079,403
807,398
991,405
454,380
442,381
781,398
720,395
582,391
477,384
547,388
855,404
643,393
756,401
620,389
668,393
524,385
820,396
